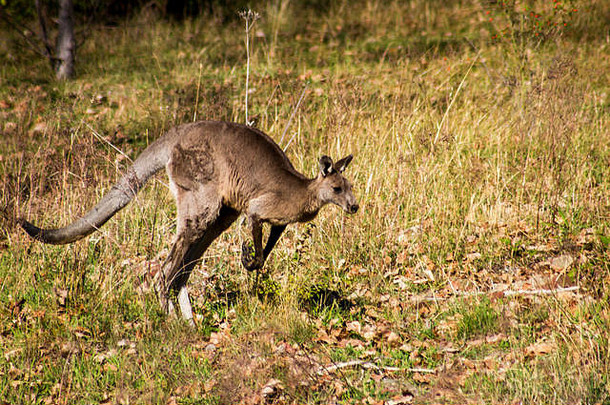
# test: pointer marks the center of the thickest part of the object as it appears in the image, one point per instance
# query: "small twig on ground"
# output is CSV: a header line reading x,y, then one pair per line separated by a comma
x,y
504,292
542,291
368,364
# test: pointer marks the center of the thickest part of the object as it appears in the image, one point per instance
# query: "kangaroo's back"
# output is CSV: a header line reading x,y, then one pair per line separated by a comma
x,y
246,149
242,160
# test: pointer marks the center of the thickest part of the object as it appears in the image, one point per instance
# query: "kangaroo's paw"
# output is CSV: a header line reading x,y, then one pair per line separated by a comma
x,y
249,259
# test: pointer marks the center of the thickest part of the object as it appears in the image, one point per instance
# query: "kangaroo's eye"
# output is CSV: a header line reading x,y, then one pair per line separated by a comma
x,y
337,189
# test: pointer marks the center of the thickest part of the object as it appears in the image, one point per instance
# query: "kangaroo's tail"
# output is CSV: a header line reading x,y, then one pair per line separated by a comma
x,y
152,159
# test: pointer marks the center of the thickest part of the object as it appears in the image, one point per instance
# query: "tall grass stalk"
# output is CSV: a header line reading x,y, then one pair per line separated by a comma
x,y
481,166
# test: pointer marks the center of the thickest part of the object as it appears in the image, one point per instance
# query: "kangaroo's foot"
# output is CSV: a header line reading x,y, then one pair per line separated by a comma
x,y
185,306
186,311
249,259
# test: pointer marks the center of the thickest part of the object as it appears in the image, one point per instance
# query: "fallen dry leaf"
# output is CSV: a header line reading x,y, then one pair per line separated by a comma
x,y
421,378
470,257
369,332
61,295
12,353
272,387
82,332
353,326
324,337
209,385
401,400
39,128
541,348
351,342
393,339
469,364
560,263
217,338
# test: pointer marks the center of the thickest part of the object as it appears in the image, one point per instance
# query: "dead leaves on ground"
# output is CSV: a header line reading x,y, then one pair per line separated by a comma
x,y
267,367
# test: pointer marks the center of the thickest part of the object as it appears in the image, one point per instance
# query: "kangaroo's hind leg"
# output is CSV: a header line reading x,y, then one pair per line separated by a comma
x,y
178,265
192,176
197,208
177,276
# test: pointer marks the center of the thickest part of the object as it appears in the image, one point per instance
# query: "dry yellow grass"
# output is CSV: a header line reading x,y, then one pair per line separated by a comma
x,y
482,166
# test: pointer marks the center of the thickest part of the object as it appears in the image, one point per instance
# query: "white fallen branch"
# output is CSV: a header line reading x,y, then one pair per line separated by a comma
x,y
367,364
542,291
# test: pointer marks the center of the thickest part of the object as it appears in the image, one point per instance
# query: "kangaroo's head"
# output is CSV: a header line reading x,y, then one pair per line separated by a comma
x,y
333,187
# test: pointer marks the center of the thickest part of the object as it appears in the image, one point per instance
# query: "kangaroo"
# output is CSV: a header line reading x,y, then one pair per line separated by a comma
x,y
217,171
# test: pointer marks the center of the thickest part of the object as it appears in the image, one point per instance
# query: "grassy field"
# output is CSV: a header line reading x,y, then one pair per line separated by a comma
x,y
476,271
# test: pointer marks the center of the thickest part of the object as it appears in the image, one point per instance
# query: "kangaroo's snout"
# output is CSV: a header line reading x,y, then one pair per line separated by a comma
x,y
353,208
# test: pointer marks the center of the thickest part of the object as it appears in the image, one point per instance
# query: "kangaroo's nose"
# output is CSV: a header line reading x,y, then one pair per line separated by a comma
x,y
353,208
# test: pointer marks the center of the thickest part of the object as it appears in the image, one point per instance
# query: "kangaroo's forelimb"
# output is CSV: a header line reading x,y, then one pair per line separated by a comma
x,y
254,257
274,236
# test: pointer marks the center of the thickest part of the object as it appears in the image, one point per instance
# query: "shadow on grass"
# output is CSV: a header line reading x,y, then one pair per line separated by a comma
x,y
321,298
314,298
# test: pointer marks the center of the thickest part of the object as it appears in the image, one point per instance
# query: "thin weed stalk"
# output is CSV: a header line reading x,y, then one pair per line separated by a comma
x,y
250,17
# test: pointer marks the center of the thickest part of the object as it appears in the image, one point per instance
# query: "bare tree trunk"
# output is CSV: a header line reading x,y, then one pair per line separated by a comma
x,y
66,45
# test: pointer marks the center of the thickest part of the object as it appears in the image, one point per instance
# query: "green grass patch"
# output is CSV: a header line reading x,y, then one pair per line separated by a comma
x,y
479,254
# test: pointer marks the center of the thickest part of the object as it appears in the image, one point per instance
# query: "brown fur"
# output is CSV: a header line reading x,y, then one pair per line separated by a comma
x,y
217,171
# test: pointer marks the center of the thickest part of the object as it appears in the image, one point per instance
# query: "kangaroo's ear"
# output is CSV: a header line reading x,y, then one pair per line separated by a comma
x,y
341,165
326,166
